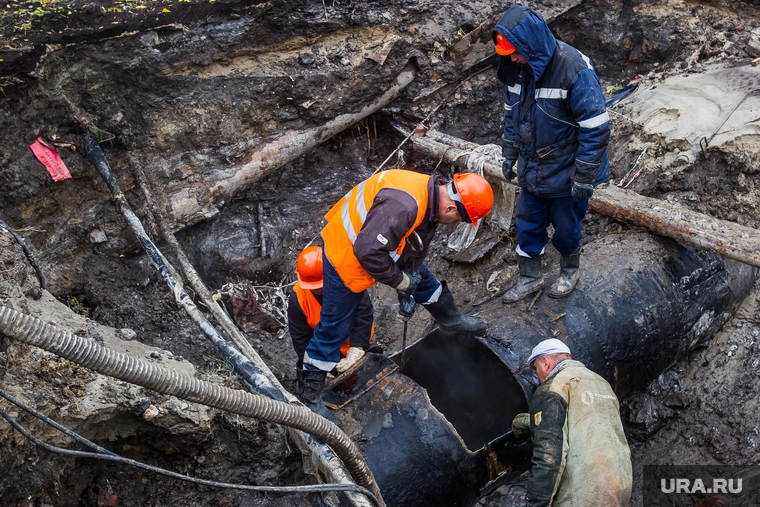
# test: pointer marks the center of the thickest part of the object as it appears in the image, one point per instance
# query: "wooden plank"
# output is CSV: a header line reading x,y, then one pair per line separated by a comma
x,y
728,239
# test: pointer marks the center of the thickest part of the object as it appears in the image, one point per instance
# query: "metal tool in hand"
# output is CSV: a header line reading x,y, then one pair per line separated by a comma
x,y
408,305
403,346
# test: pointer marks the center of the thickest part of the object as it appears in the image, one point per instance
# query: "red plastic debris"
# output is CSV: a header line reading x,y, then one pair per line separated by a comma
x,y
50,160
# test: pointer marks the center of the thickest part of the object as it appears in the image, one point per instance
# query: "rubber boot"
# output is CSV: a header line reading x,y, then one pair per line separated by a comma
x,y
531,279
311,384
568,275
448,316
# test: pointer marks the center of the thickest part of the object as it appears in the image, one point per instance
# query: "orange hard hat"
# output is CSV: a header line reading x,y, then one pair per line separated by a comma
x,y
503,47
475,194
309,268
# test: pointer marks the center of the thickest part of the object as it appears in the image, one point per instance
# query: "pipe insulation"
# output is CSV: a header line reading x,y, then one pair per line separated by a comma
x,y
90,354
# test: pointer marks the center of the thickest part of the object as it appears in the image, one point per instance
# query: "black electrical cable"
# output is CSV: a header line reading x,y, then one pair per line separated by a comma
x,y
107,455
47,420
30,256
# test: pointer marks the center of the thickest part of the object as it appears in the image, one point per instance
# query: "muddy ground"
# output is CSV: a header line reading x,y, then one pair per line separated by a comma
x,y
192,87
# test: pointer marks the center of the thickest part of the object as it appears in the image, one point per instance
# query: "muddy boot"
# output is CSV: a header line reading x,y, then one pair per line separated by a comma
x,y
568,275
311,383
531,279
448,316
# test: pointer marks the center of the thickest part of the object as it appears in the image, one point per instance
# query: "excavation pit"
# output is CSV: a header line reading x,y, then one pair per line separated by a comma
x,y
467,383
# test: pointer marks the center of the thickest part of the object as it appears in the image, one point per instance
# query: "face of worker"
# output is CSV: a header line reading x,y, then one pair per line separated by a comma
x,y
448,214
318,292
447,210
517,58
544,366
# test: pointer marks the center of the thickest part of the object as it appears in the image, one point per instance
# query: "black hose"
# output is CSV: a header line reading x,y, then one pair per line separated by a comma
x,y
31,258
91,355
107,455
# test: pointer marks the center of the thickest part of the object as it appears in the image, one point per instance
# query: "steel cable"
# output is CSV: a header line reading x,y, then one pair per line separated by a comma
x,y
107,455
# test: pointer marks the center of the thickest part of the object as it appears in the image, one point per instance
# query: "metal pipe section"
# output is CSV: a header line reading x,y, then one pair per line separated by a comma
x,y
439,433
92,355
642,303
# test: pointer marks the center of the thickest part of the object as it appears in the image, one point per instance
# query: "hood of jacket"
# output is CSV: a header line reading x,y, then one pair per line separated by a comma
x,y
531,37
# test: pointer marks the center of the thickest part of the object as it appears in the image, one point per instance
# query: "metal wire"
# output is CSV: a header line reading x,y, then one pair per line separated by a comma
x,y
107,455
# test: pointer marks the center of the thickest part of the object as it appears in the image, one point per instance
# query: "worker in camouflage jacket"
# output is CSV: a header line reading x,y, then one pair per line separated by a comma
x,y
580,454
556,132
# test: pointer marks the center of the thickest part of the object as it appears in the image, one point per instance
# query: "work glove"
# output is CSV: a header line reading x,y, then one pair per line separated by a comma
x,y
521,425
406,306
409,283
580,192
508,169
406,303
352,357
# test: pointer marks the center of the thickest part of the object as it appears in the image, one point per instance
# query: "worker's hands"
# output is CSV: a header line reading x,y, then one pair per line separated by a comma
x,y
406,289
352,357
508,169
409,283
580,192
406,306
521,425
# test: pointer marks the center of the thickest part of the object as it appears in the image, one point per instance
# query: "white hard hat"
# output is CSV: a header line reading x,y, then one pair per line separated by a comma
x,y
550,346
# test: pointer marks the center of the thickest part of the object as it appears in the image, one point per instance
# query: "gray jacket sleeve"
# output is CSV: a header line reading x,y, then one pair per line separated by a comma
x,y
390,217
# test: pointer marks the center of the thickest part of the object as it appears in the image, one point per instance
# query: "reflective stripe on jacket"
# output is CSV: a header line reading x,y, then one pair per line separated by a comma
x,y
347,217
556,124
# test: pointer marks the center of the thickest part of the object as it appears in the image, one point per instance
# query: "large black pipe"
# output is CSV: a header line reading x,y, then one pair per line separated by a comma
x,y
641,304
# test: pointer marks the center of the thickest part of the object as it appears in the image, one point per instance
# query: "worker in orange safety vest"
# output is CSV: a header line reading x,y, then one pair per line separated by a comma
x,y
381,231
305,306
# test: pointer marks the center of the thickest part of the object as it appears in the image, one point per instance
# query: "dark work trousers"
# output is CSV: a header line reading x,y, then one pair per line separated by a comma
x,y
339,312
301,332
534,216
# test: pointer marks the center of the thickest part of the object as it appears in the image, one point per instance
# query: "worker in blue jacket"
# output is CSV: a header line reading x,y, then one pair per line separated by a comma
x,y
555,139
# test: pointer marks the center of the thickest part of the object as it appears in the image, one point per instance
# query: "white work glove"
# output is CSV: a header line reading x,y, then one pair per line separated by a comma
x,y
404,283
352,357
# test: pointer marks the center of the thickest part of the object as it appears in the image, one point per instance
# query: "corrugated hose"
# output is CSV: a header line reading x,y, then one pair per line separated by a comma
x,y
94,356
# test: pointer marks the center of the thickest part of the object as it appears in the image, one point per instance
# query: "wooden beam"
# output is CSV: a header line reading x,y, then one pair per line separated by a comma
x,y
191,202
728,239
725,238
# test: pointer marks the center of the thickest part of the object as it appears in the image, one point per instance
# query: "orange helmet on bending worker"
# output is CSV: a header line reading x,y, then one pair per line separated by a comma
x,y
309,268
472,195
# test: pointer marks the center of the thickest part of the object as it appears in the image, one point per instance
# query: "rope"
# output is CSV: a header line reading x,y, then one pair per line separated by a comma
x,y
480,155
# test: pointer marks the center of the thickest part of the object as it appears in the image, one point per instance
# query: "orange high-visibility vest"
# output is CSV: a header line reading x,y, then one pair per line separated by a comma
x,y
346,218
312,309
309,304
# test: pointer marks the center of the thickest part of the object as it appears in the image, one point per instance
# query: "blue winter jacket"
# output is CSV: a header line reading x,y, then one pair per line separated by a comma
x,y
556,118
